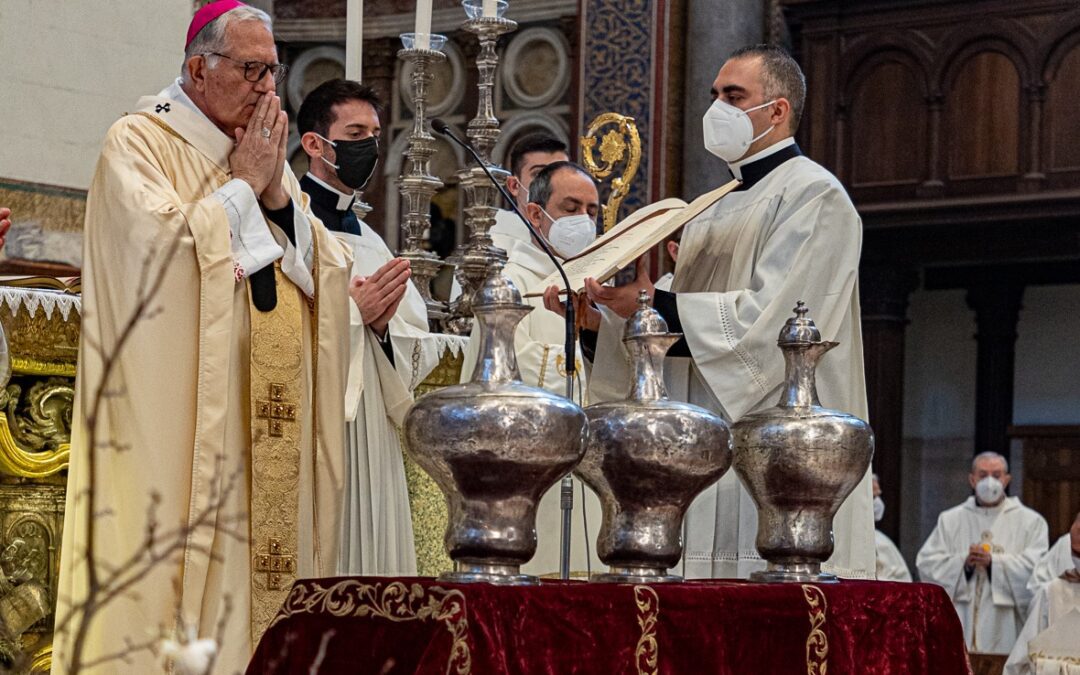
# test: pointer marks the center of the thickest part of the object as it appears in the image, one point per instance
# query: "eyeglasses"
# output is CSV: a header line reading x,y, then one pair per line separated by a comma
x,y
256,70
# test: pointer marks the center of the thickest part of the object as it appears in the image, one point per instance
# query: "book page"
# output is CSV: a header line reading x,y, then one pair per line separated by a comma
x,y
630,242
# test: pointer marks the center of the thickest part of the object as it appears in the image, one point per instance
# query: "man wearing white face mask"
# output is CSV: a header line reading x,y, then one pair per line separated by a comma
x,y
890,564
983,553
529,157
563,203
788,233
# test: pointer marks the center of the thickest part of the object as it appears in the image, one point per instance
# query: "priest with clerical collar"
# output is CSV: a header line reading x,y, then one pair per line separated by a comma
x,y
789,233
211,370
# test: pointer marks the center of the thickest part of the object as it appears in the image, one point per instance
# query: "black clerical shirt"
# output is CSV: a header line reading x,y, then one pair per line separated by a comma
x,y
331,207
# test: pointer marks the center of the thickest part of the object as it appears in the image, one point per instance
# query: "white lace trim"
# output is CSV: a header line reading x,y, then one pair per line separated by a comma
x,y
35,299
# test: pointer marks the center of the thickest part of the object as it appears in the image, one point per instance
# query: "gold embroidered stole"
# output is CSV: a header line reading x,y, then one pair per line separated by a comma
x,y
277,385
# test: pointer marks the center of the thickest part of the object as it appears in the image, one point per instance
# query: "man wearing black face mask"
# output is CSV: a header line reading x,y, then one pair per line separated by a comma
x,y
391,348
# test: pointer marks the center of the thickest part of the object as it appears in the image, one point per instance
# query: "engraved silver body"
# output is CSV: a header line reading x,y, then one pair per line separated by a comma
x,y
647,458
494,446
799,461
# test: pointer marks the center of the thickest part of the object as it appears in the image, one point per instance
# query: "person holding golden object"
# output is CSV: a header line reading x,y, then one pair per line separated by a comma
x,y
982,553
212,366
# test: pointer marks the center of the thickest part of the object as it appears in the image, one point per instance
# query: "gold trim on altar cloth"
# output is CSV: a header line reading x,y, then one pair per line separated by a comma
x,y
277,370
817,643
647,652
395,602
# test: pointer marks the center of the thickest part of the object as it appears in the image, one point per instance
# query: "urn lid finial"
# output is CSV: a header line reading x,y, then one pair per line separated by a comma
x,y
497,289
799,329
645,321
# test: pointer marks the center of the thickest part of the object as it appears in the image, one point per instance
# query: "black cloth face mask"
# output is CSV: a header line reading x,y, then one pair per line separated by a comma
x,y
356,160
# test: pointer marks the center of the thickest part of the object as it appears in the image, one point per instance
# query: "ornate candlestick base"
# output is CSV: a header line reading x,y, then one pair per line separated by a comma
x,y
424,267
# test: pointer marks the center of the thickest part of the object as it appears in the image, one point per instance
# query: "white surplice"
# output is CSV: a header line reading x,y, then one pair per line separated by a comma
x,y
676,368
377,536
890,564
992,607
1059,558
539,343
794,235
508,230
1056,608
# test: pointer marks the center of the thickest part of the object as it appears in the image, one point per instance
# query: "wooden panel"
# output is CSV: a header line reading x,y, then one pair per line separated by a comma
x,y
983,130
1051,473
888,127
1063,131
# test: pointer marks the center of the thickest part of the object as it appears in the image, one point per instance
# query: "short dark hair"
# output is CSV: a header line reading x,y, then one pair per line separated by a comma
x,y
535,142
317,111
781,76
540,189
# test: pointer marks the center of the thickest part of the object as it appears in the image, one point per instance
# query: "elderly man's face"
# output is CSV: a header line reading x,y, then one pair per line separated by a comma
x,y
571,194
990,466
229,99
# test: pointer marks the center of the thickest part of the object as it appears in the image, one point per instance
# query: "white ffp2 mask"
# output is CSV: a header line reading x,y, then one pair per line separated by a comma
x,y
570,235
879,508
729,131
989,490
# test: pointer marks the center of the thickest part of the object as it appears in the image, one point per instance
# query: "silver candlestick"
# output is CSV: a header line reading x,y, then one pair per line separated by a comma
x,y
416,183
474,259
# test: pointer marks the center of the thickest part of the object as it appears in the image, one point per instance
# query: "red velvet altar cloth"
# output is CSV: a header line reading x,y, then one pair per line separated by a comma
x,y
409,625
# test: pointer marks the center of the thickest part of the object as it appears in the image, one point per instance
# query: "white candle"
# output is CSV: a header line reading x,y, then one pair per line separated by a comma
x,y
423,24
489,9
354,40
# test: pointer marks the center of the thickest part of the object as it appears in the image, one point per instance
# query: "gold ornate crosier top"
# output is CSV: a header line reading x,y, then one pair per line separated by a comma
x,y
618,144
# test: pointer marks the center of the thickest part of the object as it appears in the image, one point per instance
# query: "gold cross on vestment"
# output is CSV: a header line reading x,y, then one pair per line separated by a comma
x,y
275,563
276,411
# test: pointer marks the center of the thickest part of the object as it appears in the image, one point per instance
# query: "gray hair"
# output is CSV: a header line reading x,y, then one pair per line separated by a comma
x,y
989,454
540,189
212,36
781,77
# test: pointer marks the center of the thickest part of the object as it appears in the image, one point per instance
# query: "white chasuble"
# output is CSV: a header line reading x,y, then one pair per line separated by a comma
x,y
377,523
177,425
794,235
1055,609
890,564
992,606
1058,559
539,343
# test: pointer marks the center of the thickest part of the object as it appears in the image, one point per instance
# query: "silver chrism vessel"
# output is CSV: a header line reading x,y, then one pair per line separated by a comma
x,y
494,446
799,461
647,458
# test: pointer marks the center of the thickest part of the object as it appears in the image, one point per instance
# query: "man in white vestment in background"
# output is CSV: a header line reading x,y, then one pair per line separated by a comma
x,y
528,158
391,348
788,233
1056,606
563,203
1064,555
222,420
890,564
982,553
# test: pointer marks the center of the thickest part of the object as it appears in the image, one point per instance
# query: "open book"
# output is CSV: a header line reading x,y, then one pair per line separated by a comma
x,y
629,239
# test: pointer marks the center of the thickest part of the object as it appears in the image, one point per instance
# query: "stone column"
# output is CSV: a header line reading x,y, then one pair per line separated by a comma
x,y
884,290
997,306
713,31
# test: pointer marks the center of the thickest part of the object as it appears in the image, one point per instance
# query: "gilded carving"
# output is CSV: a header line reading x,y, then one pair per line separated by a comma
x,y
647,652
396,602
618,144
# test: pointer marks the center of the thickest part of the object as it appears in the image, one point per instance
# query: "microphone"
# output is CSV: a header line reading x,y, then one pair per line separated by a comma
x,y
569,349
442,128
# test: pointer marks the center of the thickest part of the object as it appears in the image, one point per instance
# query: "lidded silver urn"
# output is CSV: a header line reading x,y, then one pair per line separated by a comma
x,y
799,461
647,458
494,446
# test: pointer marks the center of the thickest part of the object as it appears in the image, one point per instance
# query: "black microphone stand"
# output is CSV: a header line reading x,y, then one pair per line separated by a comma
x,y
570,348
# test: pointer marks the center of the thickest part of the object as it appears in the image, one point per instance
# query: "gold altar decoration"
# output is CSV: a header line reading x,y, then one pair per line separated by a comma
x,y
395,602
426,501
817,643
618,144
647,652
40,318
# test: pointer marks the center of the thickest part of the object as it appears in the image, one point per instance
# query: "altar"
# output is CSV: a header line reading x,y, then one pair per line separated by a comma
x,y
421,625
